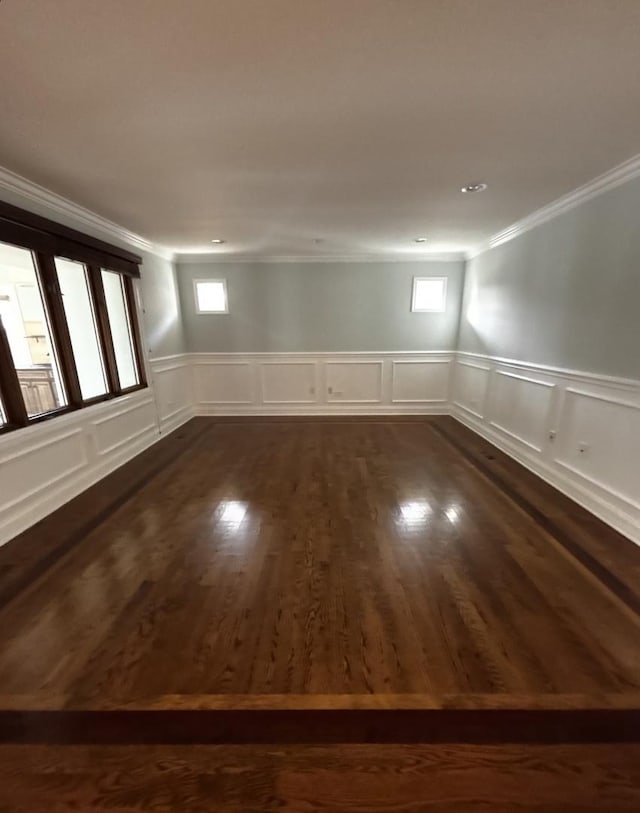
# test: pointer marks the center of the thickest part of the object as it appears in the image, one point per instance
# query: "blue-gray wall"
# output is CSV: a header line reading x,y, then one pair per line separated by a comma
x,y
566,293
315,307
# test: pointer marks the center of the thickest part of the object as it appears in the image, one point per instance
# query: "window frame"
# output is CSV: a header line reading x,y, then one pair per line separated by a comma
x,y
47,240
414,289
224,288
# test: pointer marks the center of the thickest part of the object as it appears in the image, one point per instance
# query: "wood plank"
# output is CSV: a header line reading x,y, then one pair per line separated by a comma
x,y
348,778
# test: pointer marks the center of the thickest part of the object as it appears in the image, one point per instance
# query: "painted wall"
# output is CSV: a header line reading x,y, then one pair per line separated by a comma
x,y
162,316
319,307
565,294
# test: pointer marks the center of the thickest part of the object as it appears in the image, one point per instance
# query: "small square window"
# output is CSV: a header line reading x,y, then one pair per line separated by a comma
x,y
429,294
211,295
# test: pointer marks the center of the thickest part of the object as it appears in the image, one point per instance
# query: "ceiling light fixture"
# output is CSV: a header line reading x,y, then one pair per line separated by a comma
x,y
218,241
420,240
474,187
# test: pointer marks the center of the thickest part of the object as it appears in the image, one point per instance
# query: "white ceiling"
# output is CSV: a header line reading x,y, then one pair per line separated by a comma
x,y
272,123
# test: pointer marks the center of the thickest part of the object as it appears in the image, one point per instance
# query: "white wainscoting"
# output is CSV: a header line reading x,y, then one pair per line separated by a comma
x,y
578,431
173,388
321,383
46,465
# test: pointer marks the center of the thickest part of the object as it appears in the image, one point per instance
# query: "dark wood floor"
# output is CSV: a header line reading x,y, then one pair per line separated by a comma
x,y
321,581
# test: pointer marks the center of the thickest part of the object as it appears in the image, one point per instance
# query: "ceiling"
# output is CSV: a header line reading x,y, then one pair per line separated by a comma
x,y
277,123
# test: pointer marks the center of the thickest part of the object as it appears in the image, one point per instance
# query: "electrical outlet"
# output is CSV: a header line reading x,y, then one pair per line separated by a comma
x,y
583,447
552,434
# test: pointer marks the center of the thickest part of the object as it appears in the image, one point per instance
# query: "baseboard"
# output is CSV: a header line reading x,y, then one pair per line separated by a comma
x,y
319,412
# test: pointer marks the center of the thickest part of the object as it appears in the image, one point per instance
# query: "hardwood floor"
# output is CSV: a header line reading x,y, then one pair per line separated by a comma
x,y
321,581
335,779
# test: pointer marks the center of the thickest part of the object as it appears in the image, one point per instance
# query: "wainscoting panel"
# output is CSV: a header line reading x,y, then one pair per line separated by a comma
x,y
288,382
173,384
471,386
354,382
44,466
578,431
599,440
223,382
41,466
420,382
519,406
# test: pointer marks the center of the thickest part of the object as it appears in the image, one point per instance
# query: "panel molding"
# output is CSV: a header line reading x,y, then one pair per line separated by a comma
x,y
339,398
321,402
594,489
262,370
142,417
80,459
398,364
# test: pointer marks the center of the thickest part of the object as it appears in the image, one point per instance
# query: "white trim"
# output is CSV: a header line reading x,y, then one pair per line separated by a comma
x,y
324,410
187,258
620,174
59,205
591,378
374,354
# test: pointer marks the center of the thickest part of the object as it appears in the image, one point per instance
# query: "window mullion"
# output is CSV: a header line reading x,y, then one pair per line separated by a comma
x,y
53,300
14,406
104,328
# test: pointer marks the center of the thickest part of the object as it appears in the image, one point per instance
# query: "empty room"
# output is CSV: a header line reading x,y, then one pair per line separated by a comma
x,y
319,405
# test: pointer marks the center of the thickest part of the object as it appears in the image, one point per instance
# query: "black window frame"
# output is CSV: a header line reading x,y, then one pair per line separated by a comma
x,y
46,240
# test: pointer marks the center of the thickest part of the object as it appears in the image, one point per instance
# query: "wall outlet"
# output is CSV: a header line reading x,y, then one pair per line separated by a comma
x,y
552,434
583,447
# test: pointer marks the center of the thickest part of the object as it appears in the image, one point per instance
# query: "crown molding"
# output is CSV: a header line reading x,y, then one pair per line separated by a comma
x,y
621,174
217,257
57,205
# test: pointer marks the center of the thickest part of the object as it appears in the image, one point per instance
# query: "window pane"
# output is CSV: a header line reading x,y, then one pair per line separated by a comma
x,y
429,294
120,329
78,308
211,296
25,321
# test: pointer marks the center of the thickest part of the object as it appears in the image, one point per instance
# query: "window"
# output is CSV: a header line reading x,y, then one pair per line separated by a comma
x,y
83,329
119,319
69,335
429,294
26,324
211,295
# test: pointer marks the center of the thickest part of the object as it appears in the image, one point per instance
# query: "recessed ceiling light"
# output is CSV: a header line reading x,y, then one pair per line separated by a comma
x,y
474,187
218,241
420,240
